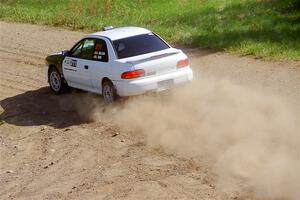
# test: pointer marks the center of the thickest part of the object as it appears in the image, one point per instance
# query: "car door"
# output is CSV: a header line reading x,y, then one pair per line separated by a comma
x,y
69,66
76,65
100,66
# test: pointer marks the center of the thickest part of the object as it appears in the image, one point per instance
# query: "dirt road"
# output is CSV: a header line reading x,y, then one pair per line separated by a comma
x,y
50,149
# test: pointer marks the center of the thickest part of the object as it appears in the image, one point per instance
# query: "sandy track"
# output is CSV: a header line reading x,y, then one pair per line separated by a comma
x,y
50,150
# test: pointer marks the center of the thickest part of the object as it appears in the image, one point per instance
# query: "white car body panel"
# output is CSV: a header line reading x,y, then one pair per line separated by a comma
x,y
119,33
160,67
151,84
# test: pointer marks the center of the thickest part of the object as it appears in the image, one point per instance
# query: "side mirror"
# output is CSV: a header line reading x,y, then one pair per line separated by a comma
x,y
65,52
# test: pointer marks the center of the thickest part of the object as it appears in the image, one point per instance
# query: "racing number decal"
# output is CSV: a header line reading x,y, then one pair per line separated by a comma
x,y
73,63
98,53
70,63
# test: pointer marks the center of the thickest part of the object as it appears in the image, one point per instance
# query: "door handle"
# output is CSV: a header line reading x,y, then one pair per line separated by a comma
x,y
86,66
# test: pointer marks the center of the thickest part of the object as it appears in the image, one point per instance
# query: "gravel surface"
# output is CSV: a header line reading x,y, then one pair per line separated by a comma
x,y
50,150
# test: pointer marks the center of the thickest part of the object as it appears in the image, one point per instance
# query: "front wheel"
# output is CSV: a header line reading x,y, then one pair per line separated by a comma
x,y
109,92
55,81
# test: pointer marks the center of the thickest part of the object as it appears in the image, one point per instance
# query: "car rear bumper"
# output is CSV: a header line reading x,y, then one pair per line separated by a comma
x,y
154,83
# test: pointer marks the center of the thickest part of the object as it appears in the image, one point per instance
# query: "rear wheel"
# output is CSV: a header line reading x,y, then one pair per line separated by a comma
x,y
109,92
56,82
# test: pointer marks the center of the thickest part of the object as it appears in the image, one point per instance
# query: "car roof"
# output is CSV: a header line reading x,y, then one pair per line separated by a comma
x,y
122,32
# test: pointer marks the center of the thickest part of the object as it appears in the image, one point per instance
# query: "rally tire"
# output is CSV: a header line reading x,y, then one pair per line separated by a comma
x,y
56,82
109,92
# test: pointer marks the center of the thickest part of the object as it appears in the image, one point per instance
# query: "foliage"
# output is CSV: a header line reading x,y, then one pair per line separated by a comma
x,y
265,28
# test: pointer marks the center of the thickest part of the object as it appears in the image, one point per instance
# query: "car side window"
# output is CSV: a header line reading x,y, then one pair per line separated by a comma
x,y
84,49
91,49
77,49
87,49
100,51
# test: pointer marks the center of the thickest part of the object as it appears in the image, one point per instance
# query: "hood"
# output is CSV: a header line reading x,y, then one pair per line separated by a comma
x,y
56,57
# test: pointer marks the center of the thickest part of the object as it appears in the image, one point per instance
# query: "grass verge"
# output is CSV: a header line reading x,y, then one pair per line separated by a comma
x,y
2,122
264,28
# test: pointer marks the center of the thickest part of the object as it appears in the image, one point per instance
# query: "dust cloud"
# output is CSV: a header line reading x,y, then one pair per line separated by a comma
x,y
250,139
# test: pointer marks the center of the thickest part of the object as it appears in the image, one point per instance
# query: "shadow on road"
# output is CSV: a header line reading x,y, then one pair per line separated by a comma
x,y
41,107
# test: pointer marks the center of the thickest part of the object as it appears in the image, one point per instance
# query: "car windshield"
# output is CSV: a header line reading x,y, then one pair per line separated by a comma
x,y
138,45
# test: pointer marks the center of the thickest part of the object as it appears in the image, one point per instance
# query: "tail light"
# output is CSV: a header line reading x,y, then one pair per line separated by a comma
x,y
133,74
183,63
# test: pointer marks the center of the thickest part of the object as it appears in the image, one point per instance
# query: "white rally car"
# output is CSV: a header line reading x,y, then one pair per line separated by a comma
x,y
119,62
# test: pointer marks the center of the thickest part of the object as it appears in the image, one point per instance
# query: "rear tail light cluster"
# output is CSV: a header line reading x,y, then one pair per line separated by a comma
x,y
139,72
183,63
133,74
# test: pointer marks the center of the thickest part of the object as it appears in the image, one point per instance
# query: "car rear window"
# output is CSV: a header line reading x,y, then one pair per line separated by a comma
x,y
138,45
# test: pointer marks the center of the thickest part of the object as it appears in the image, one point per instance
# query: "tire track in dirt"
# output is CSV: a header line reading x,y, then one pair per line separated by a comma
x,y
23,53
32,62
33,79
19,82
16,84
23,50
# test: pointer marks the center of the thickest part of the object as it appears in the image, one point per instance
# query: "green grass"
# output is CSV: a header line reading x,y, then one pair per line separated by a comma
x,y
264,28
2,122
